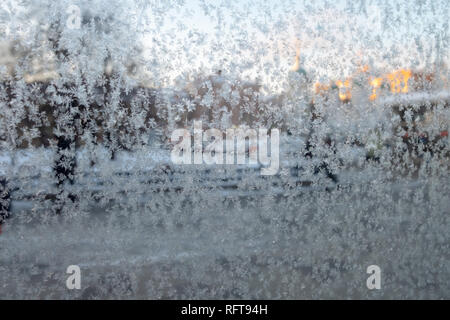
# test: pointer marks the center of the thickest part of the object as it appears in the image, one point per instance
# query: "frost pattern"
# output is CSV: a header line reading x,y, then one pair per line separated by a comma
x,y
358,89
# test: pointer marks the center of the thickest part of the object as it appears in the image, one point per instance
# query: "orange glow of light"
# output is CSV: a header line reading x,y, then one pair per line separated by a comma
x,y
320,88
296,65
345,93
375,83
364,69
399,80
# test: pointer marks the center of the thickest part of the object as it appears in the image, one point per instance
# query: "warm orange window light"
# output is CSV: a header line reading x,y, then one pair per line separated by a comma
x,y
399,80
375,83
345,94
320,88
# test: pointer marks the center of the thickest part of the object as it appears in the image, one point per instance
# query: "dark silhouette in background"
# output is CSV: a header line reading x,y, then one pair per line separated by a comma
x,y
5,201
